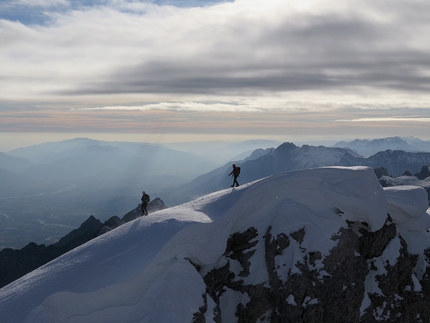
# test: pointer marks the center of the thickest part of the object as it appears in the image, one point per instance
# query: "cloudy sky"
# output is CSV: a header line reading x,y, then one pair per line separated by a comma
x,y
159,70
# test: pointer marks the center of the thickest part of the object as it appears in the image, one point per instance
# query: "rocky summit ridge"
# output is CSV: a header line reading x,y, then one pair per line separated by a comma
x,y
370,273
318,245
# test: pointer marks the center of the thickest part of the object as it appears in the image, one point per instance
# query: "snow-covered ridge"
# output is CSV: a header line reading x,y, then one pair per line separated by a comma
x,y
279,247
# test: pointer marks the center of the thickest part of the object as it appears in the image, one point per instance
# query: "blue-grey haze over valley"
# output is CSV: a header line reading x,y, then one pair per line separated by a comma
x,y
47,190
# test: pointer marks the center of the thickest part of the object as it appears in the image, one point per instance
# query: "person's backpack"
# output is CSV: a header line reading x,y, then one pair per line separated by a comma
x,y
238,170
145,198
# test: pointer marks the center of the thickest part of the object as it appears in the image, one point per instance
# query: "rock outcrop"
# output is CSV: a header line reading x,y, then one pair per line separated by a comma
x,y
367,276
423,173
353,284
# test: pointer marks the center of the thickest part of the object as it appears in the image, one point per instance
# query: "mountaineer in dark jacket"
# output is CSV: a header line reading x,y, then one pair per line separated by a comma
x,y
145,200
235,172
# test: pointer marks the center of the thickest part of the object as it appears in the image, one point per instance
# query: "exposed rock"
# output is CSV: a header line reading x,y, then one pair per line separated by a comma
x,y
87,231
155,205
424,173
114,222
332,288
381,171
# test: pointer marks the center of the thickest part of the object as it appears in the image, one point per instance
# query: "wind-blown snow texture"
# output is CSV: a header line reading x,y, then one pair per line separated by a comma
x,y
305,246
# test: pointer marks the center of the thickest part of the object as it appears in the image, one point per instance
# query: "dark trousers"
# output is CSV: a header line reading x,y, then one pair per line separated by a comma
x,y
143,208
235,180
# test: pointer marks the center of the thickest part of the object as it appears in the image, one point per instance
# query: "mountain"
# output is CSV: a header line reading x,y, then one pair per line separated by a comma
x,y
370,147
13,164
83,177
397,162
422,145
312,245
16,263
60,184
210,153
81,157
288,157
39,154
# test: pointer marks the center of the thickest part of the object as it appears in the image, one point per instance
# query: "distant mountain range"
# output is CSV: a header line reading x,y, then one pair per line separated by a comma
x,y
289,157
75,169
370,147
49,188
82,157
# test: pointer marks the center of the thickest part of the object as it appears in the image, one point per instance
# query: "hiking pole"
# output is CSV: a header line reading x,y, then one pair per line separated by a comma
x,y
220,183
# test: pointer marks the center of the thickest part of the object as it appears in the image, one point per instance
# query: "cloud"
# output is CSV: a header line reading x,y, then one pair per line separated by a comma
x,y
243,54
254,56
42,3
182,106
244,48
390,119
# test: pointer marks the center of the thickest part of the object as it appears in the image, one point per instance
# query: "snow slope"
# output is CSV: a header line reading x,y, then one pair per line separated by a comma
x,y
145,270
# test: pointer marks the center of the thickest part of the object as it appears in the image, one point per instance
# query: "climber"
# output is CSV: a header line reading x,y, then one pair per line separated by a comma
x,y
145,200
236,173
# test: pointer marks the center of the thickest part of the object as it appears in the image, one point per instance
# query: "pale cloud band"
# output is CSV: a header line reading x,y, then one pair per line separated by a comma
x,y
180,106
230,106
275,105
381,120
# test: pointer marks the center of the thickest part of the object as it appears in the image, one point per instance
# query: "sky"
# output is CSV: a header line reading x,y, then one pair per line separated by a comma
x,y
198,70
141,271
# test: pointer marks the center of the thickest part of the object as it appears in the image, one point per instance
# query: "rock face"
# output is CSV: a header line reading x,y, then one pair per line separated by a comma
x,y
367,275
397,161
354,284
16,263
381,171
424,173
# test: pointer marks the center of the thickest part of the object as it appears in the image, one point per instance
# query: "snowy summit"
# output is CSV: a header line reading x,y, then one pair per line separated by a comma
x,y
318,245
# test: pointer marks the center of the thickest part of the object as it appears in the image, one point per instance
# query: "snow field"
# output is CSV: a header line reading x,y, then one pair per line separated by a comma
x,y
141,271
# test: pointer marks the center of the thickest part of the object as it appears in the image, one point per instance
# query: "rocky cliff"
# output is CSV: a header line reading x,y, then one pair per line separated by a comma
x,y
367,276
356,283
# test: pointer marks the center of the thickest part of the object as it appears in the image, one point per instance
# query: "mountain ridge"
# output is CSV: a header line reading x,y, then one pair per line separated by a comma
x,y
288,157
16,263
370,147
109,186
313,245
